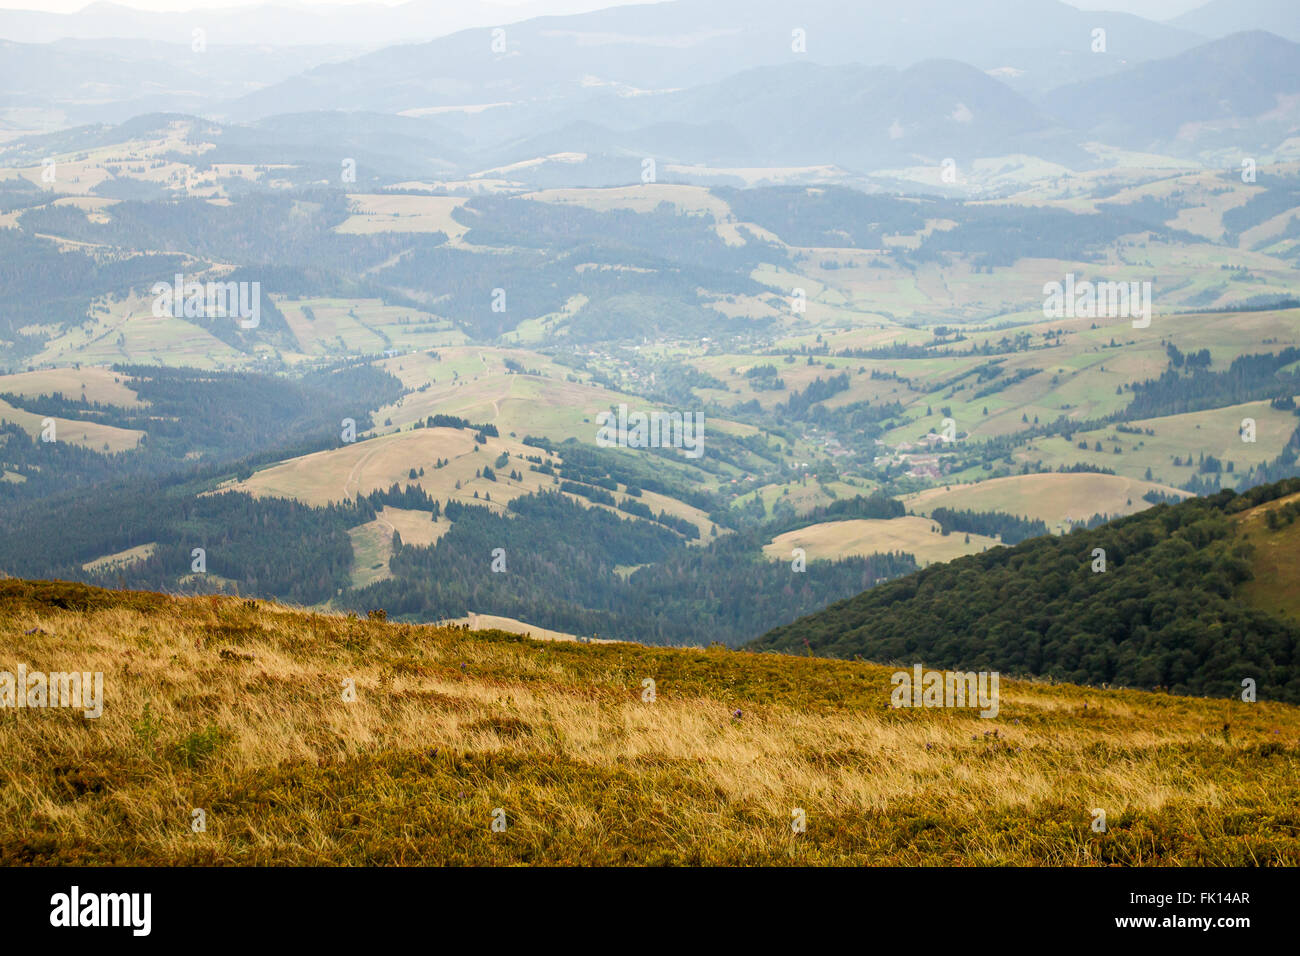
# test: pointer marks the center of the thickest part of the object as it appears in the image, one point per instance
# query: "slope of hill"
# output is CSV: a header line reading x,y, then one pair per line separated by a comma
x,y
792,114
1152,600
1275,562
290,25
1060,500
86,81
654,47
310,739
1240,89
1221,17
912,535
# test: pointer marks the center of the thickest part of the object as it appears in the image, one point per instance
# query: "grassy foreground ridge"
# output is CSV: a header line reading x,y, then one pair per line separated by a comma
x,y
237,709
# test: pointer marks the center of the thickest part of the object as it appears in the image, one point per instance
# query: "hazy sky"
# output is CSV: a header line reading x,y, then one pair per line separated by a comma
x,y
1155,9
68,6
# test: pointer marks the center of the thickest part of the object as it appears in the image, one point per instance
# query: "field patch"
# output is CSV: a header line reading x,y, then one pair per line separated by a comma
x,y
914,535
372,548
121,559
689,200
326,326
127,331
379,212
372,542
92,435
1275,562
493,622
1172,447
1053,498
90,382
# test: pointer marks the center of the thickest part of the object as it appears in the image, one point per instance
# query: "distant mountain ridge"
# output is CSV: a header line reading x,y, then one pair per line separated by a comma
x,y
1241,92
729,83
703,85
280,24
1205,95
1218,18
687,43
801,114
80,81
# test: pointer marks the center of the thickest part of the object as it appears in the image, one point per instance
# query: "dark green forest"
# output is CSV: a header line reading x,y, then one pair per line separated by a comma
x,y
560,559
193,416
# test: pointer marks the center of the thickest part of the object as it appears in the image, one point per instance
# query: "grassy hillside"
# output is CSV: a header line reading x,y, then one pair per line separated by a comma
x,y
1275,562
1183,602
919,537
1052,498
237,709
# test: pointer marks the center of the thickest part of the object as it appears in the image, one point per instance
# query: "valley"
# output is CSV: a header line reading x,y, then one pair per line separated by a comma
x,y
689,433
875,321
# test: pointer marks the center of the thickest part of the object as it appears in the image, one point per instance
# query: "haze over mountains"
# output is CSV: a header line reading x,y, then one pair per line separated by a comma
x,y
1218,18
1241,90
278,24
864,88
419,422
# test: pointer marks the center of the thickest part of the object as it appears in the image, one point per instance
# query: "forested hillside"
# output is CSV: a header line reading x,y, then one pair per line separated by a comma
x,y
1149,601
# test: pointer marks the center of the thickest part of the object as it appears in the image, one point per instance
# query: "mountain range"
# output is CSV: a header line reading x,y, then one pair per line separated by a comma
x,y
1232,97
700,84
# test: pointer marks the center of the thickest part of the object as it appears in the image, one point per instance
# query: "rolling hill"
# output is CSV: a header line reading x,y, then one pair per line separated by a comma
x,y
792,115
292,26
467,437
1239,91
662,46
1158,599
1221,17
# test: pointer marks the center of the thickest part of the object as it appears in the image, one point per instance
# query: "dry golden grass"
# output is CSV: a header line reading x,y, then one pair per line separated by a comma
x,y
1275,562
646,197
93,383
238,709
121,559
366,466
372,213
88,434
376,464
1049,497
512,625
919,537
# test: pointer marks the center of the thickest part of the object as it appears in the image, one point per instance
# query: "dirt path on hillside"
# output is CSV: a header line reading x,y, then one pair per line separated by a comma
x,y
354,477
